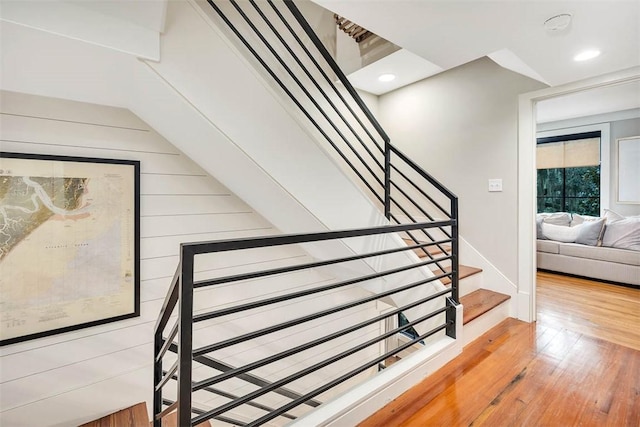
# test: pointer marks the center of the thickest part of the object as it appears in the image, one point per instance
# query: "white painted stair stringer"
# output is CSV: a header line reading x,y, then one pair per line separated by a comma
x,y
245,118
492,278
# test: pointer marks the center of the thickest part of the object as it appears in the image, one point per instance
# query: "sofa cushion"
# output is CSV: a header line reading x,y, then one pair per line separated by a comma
x,y
623,234
548,246
600,253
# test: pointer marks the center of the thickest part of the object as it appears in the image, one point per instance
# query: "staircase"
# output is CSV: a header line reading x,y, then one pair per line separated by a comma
x,y
483,308
331,336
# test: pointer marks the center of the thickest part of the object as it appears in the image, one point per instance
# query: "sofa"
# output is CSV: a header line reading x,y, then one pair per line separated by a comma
x,y
603,248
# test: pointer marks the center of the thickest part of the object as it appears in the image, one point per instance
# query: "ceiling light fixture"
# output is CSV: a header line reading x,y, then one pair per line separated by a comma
x,y
557,23
586,55
386,77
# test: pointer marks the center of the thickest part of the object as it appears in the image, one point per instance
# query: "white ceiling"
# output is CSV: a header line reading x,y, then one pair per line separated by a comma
x,y
511,32
406,66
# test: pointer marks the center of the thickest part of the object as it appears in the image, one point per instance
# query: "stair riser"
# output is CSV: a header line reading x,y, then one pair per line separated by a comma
x,y
482,324
470,284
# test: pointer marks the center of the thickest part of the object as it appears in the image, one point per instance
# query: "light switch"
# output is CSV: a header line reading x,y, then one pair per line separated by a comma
x,y
495,185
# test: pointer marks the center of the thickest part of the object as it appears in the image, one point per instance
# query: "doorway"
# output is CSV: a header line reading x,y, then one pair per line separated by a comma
x,y
527,176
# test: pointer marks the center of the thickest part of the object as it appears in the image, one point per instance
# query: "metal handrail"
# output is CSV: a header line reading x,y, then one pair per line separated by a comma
x,y
188,355
394,160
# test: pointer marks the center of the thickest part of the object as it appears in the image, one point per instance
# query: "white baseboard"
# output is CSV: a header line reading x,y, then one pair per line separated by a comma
x,y
362,401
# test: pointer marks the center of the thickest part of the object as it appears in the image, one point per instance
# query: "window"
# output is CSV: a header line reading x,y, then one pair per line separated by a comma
x,y
568,173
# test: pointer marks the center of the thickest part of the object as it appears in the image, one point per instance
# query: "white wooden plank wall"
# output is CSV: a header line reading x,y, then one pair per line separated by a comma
x,y
71,378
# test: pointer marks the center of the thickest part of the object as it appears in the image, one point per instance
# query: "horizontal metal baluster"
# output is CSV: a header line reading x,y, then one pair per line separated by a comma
x,y
327,79
347,376
167,341
273,300
299,83
417,187
230,396
257,364
257,393
271,272
198,411
294,239
441,188
293,98
431,238
334,67
252,379
315,82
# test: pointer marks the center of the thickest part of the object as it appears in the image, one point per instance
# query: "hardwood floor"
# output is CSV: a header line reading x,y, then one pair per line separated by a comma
x,y
592,308
578,365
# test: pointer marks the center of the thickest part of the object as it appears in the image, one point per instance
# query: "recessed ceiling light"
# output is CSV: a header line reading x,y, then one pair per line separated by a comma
x,y
557,23
386,77
586,55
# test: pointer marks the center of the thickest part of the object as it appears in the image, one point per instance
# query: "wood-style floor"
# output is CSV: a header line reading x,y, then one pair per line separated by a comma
x,y
578,365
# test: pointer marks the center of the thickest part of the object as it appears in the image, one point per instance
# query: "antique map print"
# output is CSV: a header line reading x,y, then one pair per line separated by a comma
x,y
67,254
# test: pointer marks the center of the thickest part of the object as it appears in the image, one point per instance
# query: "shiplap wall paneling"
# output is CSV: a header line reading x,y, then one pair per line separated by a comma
x,y
97,370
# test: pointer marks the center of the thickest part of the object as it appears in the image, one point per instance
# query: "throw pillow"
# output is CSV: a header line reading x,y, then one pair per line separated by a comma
x,y
590,232
612,216
623,234
558,218
577,219
560,233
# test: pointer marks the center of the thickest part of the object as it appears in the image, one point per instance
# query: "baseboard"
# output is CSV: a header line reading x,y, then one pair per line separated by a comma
x,y
362,401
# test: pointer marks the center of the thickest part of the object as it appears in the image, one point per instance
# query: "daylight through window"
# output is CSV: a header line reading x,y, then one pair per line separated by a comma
x,y
568,169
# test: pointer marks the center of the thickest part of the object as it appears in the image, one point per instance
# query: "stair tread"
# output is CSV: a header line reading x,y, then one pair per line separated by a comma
x,y
135,416
432,250
463,272
479,302
171,420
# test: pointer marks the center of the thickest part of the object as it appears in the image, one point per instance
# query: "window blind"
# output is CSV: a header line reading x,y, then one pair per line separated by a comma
x,y
568,154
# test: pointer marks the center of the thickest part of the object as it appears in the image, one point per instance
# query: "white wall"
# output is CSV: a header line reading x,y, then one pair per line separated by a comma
x,y
88,370
461,126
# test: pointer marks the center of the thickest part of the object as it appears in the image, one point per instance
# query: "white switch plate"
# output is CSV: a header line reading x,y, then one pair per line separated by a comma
x,y
495,185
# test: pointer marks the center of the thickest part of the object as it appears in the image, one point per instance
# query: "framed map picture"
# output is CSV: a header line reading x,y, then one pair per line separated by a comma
x,y
69,244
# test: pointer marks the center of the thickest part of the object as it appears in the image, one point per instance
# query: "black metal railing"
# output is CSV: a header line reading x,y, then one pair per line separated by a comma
x,y
315,352
281,42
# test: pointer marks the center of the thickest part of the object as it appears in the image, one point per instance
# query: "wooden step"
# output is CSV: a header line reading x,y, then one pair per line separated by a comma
x,y
463,271
479,302
133,416
171,420
391,360
432,250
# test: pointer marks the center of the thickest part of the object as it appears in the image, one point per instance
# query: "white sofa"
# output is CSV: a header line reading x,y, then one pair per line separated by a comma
x,y
614,257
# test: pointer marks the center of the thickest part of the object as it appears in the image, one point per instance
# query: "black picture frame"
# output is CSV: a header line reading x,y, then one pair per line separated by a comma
x,y
76,221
